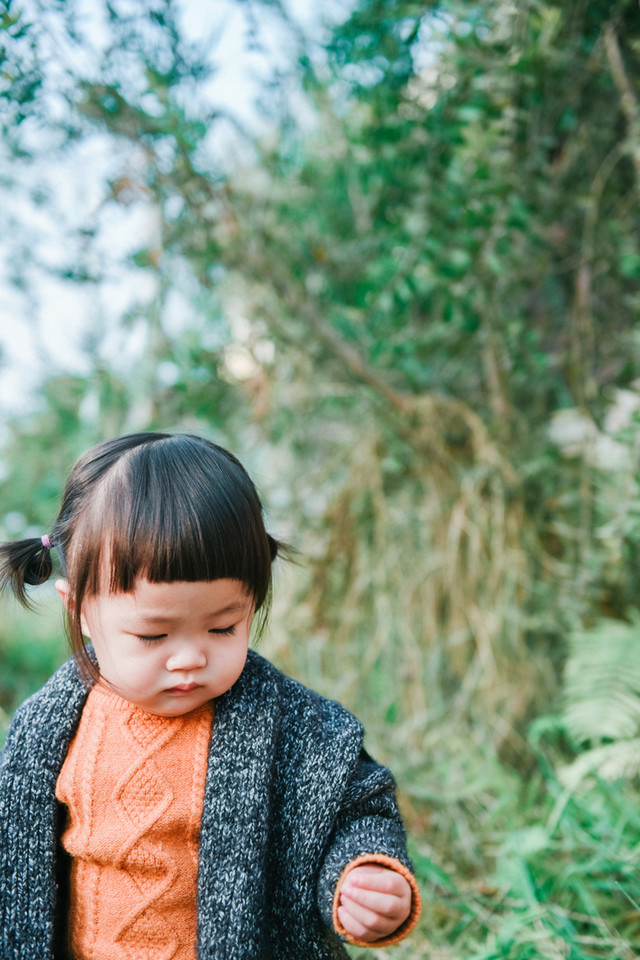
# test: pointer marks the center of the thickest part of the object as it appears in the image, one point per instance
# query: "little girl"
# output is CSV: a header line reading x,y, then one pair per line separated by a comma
x,y
168,794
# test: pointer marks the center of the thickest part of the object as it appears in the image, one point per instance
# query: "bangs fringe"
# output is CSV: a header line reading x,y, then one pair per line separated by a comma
x,y
172,514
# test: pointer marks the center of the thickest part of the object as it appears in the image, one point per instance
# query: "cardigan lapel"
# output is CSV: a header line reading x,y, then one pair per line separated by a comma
x,y
29,812
238,866
235,823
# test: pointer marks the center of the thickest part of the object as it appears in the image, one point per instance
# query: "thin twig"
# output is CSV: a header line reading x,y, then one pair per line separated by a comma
x,y
628,102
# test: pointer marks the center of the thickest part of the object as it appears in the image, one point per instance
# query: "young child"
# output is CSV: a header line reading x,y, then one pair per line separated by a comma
x,y
168,794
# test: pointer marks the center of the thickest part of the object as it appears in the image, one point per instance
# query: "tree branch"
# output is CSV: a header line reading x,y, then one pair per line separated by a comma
x,y
429,407
628,102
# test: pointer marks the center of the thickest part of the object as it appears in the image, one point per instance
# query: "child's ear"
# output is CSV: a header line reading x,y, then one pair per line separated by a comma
x,y
62,586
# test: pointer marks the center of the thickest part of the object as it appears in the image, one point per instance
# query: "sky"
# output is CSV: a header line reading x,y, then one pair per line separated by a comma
x,y
45,325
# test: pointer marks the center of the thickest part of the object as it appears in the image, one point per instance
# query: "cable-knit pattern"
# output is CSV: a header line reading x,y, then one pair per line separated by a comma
x,y
133,784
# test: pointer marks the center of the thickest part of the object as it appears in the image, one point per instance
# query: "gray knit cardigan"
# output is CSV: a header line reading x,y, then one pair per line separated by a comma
x,y
291,797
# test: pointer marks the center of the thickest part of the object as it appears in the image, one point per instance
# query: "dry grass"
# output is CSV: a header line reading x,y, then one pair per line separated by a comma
x,y
411,599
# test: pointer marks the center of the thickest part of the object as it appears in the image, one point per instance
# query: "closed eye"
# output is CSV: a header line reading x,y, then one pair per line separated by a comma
x,y
151,639
156,637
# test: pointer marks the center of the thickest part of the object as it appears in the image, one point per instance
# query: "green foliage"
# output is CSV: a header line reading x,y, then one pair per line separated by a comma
x,y
31,648
523,872
602,683
20,78
413,313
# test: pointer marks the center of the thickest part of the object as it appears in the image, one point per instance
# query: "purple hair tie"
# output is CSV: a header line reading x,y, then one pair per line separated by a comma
x,y
46,543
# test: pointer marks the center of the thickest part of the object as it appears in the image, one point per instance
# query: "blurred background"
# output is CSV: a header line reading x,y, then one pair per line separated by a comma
x,y
388,252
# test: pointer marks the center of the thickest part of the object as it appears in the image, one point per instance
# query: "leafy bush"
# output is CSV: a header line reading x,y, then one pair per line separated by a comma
x,y
31,648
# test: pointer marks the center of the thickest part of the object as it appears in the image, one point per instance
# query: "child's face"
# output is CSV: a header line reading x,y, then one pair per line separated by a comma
x,y
170,647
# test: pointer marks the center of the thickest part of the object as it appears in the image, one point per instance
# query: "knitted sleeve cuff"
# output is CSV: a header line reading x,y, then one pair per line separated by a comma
x,y
407,926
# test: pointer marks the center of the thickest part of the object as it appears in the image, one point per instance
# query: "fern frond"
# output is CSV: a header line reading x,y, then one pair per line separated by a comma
x,y
602,683
613,761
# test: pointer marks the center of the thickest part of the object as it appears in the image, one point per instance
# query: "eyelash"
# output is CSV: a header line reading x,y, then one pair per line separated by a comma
x,y
218,632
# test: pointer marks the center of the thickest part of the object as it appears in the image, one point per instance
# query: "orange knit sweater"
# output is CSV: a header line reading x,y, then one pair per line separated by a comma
x,y
133,784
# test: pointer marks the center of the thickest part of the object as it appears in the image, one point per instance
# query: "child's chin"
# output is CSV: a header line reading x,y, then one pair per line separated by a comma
x,y
170,704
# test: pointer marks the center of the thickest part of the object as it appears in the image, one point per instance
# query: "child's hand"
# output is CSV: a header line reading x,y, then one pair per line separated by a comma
x,y
374,902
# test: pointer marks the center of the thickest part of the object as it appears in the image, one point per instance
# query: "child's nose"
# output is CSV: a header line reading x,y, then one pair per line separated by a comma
x,y
188,656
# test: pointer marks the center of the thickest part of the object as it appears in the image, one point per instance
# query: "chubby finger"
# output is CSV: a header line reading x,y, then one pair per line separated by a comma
x,y
383,904
377,879
363,924
368,918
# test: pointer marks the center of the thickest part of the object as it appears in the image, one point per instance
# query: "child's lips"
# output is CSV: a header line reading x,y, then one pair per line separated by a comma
x,y
183,688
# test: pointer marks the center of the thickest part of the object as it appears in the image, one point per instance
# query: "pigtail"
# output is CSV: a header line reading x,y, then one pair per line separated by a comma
x,y
281,550
25,562
273,546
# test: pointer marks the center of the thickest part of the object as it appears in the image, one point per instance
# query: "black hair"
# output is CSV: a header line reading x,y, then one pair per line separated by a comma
x,y
25,562
165,507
